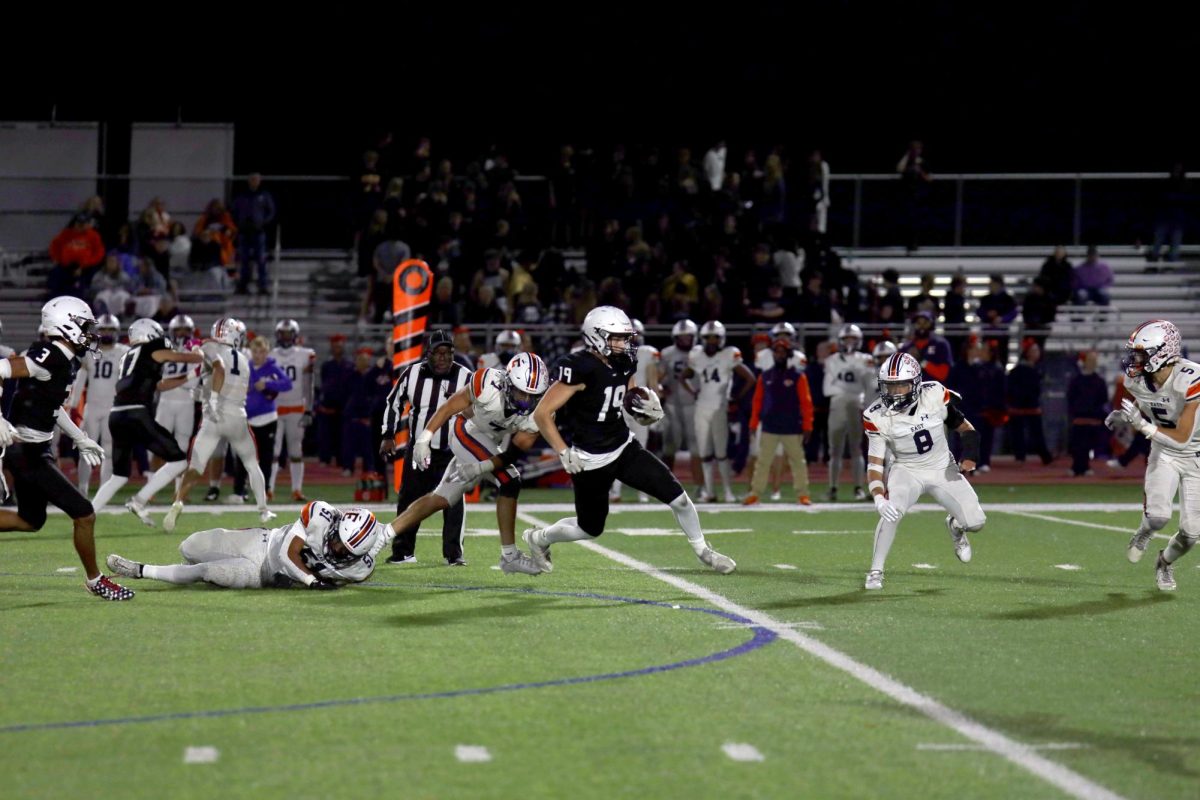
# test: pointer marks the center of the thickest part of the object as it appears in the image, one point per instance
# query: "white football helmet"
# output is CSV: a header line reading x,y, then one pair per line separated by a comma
x,y
108,328
508,341
527,374
350,537
287,332
882,351
603,323
71,319
143,330
899,371
639,329
850,338
182,328
230,331
685,327
1152,346
786,329
713,328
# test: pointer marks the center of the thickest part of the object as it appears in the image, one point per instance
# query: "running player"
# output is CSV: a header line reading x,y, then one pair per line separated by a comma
x,y
646,376
295,405
588,399
848,373
910,420
97,379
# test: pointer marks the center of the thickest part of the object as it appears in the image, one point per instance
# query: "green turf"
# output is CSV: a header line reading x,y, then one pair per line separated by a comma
x,y
1096,657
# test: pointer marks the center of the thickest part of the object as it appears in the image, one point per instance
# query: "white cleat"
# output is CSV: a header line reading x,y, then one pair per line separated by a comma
x,y
730,497
520,563
1137,546
172,516
776,497
539,554
123,566
874,579
860,493
720,563
266,515
643,497
139,511
1164,574
705,497
962,546
235,499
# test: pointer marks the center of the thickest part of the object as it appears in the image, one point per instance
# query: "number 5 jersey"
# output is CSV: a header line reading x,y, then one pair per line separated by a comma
x,y
1164,404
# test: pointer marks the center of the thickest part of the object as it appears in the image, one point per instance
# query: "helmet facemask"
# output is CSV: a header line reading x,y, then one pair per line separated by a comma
x,y
897,395
1137,360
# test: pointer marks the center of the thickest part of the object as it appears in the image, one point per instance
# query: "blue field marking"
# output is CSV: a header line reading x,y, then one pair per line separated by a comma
x,y
761,638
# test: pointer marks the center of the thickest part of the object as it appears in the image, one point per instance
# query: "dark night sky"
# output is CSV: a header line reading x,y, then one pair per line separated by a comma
x,y
989,86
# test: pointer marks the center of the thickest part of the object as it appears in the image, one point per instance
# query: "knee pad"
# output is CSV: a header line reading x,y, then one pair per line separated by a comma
x,y
977,526
1190,538
510,489
1157,523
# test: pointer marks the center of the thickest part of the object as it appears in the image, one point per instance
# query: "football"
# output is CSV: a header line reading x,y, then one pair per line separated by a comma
x,y
638,393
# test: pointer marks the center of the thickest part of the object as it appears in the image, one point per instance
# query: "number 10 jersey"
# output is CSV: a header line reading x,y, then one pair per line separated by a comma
x,y
916,434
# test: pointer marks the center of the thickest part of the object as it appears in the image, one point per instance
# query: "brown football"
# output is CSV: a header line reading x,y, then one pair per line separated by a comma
x,y
630,394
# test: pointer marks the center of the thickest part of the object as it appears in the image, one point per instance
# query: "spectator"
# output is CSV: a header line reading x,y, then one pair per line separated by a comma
x,y
1058,274
891,304
817,448
1092,279
78,247
1172,214
376,233
930,350
987,385
527,310
111,288
444,310
564,199
714,166
774,306
762,271
996,310
388,255
267,380
357,434
783,406
924,300
486,308
773,208
495,277
93,209
180,248
154,235
149,288
954,314
336,375
217,223
465,353
368,188
393,206
253,213
1024,388
681,285
789,264
1038,311
818,193
814,309
1087,406
915,178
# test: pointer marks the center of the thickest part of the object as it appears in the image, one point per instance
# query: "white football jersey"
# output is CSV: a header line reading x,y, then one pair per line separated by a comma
x,y
237,376
312,526
915,435
298,364
850,374
714,374
1165,405
765,359
671,364
99,377
646,355
186,393
489,415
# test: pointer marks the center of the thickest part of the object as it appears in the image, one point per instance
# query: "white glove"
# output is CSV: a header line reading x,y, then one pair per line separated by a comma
x,y
571,461
886,509
1139,423
90,452
214,408
649,411
474,470
8,434
422,452
1116,420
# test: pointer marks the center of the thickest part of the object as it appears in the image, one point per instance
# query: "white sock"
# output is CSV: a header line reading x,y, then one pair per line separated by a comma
x,y
508,551
885,534
565,530
214,483
726,474
689,520
175,573
615,489
85,477
106,492
297,470
257,484
274,473
165,474
708,467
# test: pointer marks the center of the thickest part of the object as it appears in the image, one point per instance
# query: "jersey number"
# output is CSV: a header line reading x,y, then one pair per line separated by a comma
x,y
291,372
613,395
128,360
564,375
104,369
1161,419
235,370
924,441
711,377
846,377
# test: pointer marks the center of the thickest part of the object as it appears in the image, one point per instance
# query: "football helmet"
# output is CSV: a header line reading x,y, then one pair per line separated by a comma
x,y
785,329
143,330
527,380
685,327
108,327
899,371
230,331
1152,346
508,341
71,319
850,338
603,323
639,329
350,537
182,328
287,332
882,351
712,328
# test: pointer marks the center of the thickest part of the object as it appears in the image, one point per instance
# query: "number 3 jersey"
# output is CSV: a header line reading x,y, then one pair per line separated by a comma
x,y
593,415
1165,404
916,434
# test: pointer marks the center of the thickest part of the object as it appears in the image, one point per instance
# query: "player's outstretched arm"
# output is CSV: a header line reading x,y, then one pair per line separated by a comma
x,y
164,355
14,367
459,402
543,416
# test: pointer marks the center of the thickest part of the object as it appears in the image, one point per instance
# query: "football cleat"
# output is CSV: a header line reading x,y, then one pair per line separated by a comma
x,y
1137,545
539,554
705,497
139,511
213,494
266,515
720,563
776,496
1164,574
831,496
455,562
804,500
730,498
172,516
860,493
750,500
519,563
107,590
874,579
643,497
236,499
124,566
299,497
402,560
962,547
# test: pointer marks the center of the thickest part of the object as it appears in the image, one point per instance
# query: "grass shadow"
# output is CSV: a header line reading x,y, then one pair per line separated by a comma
x,y
854,597
1115,601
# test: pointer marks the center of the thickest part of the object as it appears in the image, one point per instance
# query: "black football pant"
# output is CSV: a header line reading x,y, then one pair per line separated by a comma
x,y
414,485
636,468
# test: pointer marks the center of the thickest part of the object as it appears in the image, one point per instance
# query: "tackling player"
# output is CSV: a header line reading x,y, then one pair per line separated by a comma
x,y
848,373
589,395
910,419
98,378
295,405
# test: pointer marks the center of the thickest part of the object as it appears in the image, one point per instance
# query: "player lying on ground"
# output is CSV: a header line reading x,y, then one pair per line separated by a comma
x,y
1167,387
494,404
910,420
590,394
324,549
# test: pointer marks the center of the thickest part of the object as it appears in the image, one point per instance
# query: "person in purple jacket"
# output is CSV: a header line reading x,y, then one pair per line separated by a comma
x,y
267,380
1092,280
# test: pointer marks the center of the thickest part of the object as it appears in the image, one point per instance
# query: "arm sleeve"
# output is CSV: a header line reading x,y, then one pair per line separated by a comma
x,y
289,566
954,414
756,404
67,426
308,381
876,448
806,403
81,379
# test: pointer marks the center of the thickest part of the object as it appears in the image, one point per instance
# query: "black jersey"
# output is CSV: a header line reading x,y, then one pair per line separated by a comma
x,y
139,374
593,415
37,402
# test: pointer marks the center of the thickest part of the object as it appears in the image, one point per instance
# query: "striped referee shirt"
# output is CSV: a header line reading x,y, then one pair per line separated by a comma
x,y
426,392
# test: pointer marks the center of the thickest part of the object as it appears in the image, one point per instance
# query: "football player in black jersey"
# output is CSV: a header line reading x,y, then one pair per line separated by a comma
x,y
46,372
139,376
588,398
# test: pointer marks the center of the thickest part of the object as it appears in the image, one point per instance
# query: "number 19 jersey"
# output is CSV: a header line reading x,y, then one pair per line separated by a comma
x,y
917,434
1164,404
593,415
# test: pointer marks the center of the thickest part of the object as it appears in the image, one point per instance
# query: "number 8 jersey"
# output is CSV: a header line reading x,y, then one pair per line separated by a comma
x,y
916,434
593,415
1165,404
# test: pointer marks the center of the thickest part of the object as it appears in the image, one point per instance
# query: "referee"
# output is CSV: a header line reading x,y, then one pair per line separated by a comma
x,y
426,385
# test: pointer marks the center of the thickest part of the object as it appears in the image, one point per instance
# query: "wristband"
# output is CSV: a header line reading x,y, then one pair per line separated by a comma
x,y
873,485
5,369
970,445
309,579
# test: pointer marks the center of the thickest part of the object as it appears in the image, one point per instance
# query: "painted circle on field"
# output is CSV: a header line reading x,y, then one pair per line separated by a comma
x,y
761,637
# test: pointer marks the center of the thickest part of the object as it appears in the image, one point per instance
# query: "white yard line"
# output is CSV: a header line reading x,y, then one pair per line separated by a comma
x,y
201,755
961,747
1067,780
742,752
1078,523
925,566
1068,567
472,754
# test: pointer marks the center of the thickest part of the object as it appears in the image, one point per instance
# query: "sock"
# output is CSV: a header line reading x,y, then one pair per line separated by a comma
x,y
165,474
885,534
565,530
708,467
274,474
726,475
257,484
1180,543
689,521
214,483
106,492
297,470
85,477
615,489
175,573
508,551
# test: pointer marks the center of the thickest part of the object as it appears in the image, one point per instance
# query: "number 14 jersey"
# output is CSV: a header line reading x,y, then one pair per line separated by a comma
x,y
916,435
1164,404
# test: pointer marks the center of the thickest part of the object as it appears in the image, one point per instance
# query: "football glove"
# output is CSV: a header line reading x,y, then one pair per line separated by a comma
x,y
91,453
647,411
1116,420
213,408
474,470
887,510
306,419
571,461
8,434
322,585
422,452
1140,424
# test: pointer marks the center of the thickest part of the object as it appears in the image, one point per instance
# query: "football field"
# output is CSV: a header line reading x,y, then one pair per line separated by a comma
x,y
1049,666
